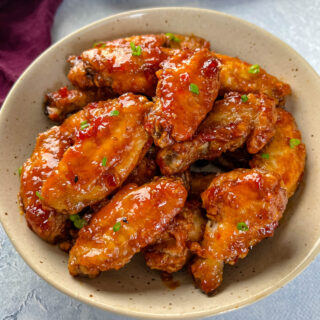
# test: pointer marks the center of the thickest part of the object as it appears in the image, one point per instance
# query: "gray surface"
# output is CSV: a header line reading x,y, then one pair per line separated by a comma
x,y
24,295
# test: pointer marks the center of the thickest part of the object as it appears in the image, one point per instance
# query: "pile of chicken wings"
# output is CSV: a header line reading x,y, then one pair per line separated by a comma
x,y
117,174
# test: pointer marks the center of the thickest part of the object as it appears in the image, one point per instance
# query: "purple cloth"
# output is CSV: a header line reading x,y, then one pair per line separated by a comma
x,y
25,27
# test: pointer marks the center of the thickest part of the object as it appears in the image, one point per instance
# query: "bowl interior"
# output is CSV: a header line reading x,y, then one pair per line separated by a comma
x,y
136,290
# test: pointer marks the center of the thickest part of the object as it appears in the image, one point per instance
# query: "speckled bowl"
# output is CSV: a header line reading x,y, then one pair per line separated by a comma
x,y
135,290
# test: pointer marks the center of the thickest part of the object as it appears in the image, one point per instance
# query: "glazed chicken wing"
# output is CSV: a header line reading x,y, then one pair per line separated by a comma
x,y
134,218
106,150
244,207
236,75
171,251
125,65
188,85
50,147
63,101
228,126
285,154
182,42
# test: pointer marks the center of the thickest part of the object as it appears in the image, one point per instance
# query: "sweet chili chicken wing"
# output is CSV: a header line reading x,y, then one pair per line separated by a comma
x,y
285,154
230,124
244,207
134,218
106,150
237,75
50,147
125,65
63,101
171,252
188,85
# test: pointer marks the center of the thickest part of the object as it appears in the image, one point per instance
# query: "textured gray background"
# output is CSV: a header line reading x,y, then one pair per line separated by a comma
x,y
24,295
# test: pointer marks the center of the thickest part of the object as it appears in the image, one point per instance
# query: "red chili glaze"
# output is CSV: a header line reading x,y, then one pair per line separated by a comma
x,y
178,111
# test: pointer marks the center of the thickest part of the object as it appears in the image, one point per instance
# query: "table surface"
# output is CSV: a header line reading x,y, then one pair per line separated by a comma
x,y
24,295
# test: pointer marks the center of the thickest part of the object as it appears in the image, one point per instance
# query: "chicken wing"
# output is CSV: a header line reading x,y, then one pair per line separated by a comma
x,y
244,206
230,124
285,154
50,147
171,252
103,155
125,65
182,42
236,75
62,102
188,85
134,218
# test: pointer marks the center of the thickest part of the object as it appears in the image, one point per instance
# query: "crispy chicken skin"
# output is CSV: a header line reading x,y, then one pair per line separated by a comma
x,y
235,76
171,251
228,126
288,161
133,219
177,111
102,156
60,103
50,147
114,64
253,199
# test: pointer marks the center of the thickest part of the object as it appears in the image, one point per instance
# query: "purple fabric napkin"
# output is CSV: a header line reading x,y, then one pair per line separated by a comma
x,y
24,33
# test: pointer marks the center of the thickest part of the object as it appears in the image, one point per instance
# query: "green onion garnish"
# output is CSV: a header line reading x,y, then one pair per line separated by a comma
x,y
101,44
242,226
255,68
117,226
265,156
77,221
294,142
136,50
19,171
172,37
244,98
114,113
104,162
194,88
84,124
38,194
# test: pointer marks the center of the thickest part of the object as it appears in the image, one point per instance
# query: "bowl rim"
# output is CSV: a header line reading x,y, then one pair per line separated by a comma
x,y
313,252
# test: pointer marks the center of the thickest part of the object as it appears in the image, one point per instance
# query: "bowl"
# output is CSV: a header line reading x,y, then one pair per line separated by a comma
x,y
135,290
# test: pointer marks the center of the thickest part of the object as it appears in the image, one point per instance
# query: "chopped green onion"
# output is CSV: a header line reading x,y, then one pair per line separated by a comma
x,y
172,37
117,226
294,142
84,124
38,194
136,50
242,226
19,171
101,44
114,113
255,68
194,88
104,162
265,156
244,98
77,221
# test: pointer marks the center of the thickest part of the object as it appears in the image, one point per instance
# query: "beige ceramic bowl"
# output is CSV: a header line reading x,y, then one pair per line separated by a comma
x,y
135,290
